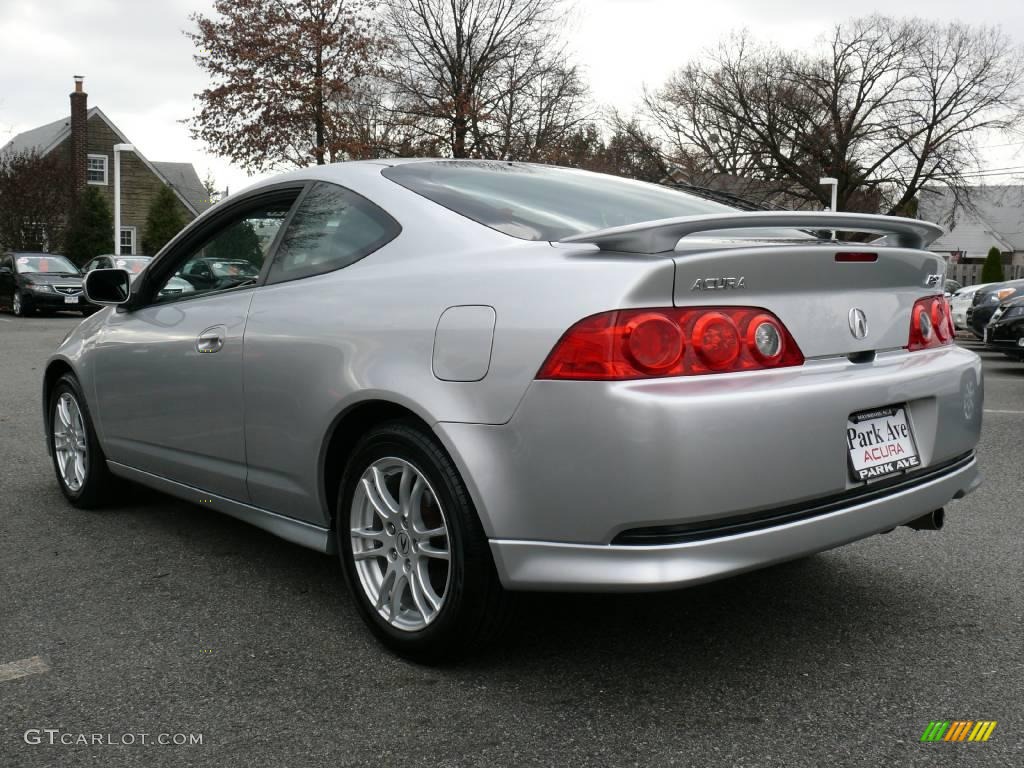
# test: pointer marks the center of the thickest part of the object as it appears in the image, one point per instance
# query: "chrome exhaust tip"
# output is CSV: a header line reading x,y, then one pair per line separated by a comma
x,y
931,522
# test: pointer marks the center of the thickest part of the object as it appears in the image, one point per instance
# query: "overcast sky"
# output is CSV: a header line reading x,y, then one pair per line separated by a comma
x,y
139,70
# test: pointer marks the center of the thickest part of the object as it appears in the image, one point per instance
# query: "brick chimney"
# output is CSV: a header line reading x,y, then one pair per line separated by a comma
x,y
79,136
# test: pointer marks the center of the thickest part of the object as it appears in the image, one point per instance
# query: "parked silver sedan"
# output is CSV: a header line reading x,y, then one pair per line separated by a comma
x,y
469,378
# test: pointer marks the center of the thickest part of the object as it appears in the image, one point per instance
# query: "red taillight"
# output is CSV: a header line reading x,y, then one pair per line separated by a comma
x,y
645,343
930,324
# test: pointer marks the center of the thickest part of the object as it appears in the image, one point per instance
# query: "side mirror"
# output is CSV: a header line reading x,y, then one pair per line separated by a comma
x,y
5,270
110,287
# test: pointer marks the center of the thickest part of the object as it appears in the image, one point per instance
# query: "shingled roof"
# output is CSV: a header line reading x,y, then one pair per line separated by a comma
x,y
989,216
180,177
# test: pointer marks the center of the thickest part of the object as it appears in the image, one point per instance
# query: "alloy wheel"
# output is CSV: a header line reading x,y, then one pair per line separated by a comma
x,y
70,442
18,307
400,544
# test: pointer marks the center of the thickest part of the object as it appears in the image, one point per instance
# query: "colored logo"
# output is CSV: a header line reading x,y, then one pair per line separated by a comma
x,y
958,730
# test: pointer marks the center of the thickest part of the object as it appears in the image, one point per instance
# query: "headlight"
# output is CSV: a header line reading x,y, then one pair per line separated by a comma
x,y
41,288
1013,312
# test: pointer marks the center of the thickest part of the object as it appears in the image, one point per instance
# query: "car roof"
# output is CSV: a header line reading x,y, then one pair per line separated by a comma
x,y
992,287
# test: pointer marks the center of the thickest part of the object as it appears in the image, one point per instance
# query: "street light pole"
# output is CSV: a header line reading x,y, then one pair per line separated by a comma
x,y
828,181
834,183
118,149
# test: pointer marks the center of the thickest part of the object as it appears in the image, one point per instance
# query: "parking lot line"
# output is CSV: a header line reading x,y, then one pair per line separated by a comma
x,y
996,410
34,665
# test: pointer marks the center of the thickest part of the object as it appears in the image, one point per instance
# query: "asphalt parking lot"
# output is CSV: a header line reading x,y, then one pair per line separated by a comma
x,y
159,617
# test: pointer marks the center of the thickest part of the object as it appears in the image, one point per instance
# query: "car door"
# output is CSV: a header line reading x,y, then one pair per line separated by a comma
x,y
297,343
100,262
169,368
6,279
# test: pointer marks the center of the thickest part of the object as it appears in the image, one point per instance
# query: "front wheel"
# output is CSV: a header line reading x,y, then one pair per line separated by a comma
x,y
19,306
412,548
78,460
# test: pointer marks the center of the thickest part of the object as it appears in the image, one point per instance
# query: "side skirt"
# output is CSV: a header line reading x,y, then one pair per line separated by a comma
x,y
288,528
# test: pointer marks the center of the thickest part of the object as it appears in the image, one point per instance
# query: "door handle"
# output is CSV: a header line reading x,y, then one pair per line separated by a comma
x,y
211,340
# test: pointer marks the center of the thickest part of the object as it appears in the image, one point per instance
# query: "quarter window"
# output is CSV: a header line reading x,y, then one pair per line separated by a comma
x,y
96,169
332,228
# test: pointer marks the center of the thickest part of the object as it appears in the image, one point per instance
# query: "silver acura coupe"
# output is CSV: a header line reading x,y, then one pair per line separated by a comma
x,y
469,378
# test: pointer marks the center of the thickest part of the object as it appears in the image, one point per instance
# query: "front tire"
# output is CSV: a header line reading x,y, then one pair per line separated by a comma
x,y
78,460
412,548
19,306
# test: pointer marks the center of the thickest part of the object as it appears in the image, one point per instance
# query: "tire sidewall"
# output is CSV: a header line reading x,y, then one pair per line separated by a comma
x,y
405,442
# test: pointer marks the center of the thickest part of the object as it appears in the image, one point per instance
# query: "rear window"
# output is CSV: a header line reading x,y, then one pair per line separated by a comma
x,y
536,202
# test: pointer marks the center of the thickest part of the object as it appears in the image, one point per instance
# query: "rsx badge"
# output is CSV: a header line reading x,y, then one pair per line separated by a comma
x,y
718,283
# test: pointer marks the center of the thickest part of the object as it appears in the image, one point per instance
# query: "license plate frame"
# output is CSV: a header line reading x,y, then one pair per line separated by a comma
x,y
880,443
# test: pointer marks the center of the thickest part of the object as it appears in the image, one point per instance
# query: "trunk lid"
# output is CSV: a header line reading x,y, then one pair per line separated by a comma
x,y
812,293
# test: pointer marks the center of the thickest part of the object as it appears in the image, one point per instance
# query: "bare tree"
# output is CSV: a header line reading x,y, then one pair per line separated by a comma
x,y
377,127
34,200
887,107
280,70
483,77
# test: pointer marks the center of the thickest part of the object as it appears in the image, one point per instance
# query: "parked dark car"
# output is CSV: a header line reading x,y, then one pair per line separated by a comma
x,y
1006,330
135,265
40,282
987,300
211,274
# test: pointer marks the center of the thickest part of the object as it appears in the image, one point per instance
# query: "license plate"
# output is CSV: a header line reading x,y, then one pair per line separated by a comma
x,y
881,443
984,336
70,299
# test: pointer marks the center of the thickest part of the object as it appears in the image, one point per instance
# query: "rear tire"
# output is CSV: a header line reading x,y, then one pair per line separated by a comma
x,y
78,460
399,479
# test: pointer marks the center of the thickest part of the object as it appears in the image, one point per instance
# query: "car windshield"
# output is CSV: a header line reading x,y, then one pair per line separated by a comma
x,y
234,269
44,263
133,264
536,202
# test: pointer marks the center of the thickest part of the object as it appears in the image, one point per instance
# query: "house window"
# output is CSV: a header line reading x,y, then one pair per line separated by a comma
x,y
127,241
96,169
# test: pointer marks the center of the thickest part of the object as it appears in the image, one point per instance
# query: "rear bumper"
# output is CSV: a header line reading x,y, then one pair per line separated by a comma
x,y
539,565
581,462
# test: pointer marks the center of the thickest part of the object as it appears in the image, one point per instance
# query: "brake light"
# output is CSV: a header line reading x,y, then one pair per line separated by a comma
x,y
930,324
646,343
856,257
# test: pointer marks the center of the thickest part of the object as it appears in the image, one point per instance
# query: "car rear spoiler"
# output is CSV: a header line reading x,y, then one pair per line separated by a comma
x,y
663,234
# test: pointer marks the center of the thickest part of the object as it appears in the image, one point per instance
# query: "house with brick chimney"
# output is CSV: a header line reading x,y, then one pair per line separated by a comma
x,y
87,138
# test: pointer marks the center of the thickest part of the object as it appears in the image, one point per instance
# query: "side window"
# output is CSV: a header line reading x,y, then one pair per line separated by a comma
x,y
332,228
231,257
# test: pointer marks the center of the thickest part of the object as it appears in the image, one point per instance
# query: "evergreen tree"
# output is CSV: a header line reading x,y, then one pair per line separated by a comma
x,y
90,230
992,272
164,220
240,242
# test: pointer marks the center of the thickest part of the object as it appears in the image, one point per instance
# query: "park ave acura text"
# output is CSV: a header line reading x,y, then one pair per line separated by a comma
x,y
469,378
